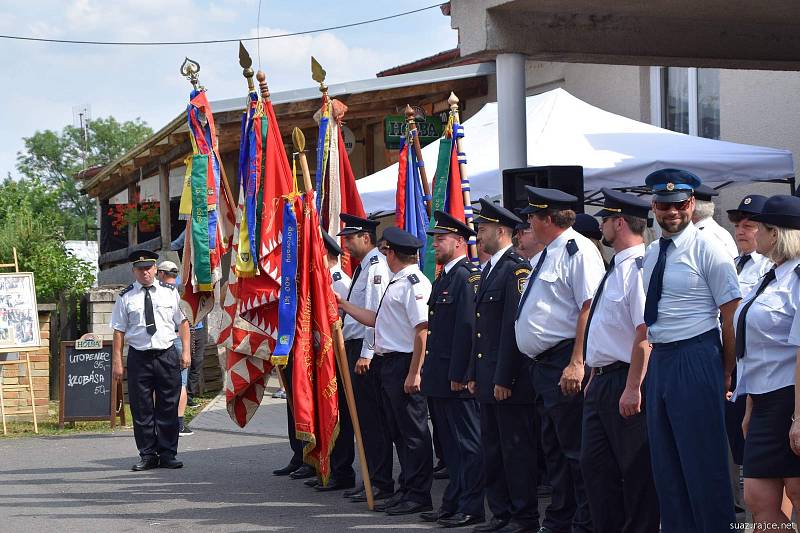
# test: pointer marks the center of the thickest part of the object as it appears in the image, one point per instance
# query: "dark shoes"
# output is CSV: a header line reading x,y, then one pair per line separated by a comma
x,y
376,495
517,527
384,505
313,482
433,516
191,402
335,484
441,474
408,507
169,462
147,463
492,525
353,492
286,470
303,472
459,520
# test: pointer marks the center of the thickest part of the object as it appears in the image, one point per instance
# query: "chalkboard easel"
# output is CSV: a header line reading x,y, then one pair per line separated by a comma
x,y
87,388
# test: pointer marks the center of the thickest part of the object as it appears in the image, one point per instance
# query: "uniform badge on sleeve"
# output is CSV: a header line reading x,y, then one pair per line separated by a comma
x,y
374,260
376,279
521,285
337,276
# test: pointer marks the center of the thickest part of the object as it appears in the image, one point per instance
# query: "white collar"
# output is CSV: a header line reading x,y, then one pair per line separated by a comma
x,y
452,263
636,250
496,257
405,271
365,261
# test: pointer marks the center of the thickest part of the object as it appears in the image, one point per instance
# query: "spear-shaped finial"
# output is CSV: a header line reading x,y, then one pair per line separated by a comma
x,y
298,140
318,75
453,101
299,144
247,66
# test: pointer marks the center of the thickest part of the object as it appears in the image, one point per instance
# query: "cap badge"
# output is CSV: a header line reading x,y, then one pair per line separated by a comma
x,y
670,186
747,201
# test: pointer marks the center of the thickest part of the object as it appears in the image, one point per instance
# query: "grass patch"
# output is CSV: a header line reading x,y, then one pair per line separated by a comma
x,y
49,426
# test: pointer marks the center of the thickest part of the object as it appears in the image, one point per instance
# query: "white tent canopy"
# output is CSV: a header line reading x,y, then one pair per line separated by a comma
x,y
614,151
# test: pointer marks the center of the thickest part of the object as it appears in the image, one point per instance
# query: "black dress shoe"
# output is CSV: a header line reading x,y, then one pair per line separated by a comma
x,y
408,507
376,495
492,525
439,466
147,463
312,482
517,527
434,516
286,470
459,520
382,506
335,484
353,492
544,530
169,462
441,474
303,472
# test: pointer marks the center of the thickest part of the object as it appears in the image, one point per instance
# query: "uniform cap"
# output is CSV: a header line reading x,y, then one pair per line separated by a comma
x,y
354,224
330,244
781,210
142,258
446,223
750,205
497,214
704,192
620,203
540,198
401,241
587,226
672,184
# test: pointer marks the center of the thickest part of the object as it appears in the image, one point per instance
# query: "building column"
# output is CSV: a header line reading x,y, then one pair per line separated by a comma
x,y
511,118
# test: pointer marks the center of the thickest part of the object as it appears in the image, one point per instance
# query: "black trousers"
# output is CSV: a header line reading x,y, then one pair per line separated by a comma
x,y
343,453
198,339
459,433
155,424
615,461
295,443
438,453
509,457
407,420
561,418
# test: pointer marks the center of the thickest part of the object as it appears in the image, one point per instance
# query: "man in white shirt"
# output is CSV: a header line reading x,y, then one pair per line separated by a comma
x,y
703,219
340,281
615,456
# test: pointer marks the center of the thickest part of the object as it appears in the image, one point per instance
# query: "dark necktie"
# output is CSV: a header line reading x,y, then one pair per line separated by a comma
x,y
742,262
384,296
356,272
656,284
149,316
740,324
596,299
530,282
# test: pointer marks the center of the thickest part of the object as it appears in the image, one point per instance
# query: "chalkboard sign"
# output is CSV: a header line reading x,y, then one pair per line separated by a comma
x,y
88,391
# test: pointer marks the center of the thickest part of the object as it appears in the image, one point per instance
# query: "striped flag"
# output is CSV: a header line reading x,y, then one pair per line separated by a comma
x,y
410,213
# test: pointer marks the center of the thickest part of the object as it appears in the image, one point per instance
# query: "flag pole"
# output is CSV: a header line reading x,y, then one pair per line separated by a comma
x,y
462,169
423,174
299,143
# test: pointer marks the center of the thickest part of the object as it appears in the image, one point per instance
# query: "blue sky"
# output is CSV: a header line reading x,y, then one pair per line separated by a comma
x,y
41,83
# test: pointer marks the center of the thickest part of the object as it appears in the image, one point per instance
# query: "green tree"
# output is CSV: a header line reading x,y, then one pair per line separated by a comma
x,y
54,158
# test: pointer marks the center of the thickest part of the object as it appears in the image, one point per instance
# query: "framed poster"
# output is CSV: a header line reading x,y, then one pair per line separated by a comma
x,y
19,317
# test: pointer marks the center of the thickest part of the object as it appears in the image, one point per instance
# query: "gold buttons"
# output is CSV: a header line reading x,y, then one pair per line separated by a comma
x,y
477,315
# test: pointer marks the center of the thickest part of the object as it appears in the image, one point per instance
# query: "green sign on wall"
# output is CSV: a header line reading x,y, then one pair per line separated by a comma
x,y
394,129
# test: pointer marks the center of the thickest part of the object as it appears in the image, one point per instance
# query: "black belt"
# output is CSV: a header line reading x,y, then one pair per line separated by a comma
x,y
393,354
619,365
690,340
151,353
550,351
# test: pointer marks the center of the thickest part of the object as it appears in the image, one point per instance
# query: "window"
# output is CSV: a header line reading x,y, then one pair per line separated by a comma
x,y
685,100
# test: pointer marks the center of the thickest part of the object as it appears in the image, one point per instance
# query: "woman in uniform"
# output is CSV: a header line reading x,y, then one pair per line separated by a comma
x,y
767,342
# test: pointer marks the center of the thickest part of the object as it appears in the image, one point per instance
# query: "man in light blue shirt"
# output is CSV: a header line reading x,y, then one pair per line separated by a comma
x,y
691,282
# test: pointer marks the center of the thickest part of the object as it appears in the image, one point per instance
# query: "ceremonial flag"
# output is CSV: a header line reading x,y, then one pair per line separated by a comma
x,y
410,213
207,206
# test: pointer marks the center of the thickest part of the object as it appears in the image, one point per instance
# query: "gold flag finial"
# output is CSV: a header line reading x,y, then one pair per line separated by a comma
x,y
318,74
190,70
247,66
298,140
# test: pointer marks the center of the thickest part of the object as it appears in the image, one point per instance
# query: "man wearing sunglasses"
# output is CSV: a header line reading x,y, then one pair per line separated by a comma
x,y
690,283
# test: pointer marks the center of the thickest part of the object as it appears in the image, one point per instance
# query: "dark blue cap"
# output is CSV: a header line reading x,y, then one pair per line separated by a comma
x,y
704,192
750,205
354,224
540,198
401,241
587,226
672,184
143,258
330,244
497,214
449,224
620,203
781,210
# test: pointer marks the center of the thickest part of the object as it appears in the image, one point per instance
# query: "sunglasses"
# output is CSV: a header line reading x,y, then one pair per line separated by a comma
x,y
679,206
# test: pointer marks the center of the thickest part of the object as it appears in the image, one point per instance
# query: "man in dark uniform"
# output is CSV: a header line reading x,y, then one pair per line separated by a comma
x,y
500,379
146,315
451,321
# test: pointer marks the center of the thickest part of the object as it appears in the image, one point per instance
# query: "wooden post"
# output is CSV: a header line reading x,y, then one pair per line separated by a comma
x,y
462,168
423,174
299,142
133,229
165,220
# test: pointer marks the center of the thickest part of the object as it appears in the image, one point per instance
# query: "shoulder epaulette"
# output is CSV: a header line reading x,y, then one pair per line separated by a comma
x,y
516,257
337,276
167,285
470,266
640,262
572,247
797,270
413,279
374,260
129,288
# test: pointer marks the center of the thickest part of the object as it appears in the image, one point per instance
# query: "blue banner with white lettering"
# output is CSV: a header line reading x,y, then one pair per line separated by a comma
x,y
287,302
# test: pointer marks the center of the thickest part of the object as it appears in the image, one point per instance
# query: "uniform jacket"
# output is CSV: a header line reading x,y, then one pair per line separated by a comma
x,y
451,323
496,359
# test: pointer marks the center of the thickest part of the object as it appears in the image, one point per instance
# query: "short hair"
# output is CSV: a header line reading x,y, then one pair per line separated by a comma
x,y
738,216
635,224
787,244
562,218
703,209
404,258
373,236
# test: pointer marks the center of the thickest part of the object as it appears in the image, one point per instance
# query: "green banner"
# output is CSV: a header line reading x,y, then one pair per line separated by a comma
x,y
200,242
438,197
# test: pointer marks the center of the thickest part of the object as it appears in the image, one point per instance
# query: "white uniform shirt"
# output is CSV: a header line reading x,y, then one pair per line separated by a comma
x,y
366,292
698,279
618,312
128,316
773,335
550,313
709,228
752,272
340,281
404,307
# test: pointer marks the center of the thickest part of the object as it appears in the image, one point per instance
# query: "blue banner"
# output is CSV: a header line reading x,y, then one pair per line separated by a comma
x,y
287,302
323,133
